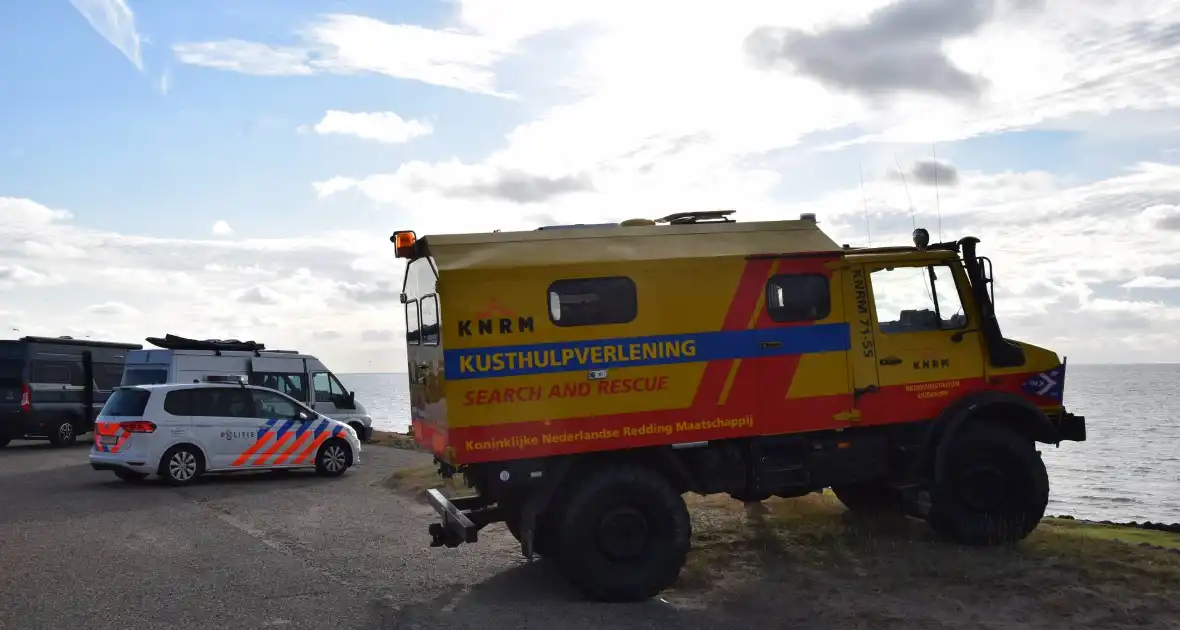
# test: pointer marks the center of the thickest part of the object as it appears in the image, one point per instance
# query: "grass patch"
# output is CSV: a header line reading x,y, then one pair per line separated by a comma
x,y
813,544
394,440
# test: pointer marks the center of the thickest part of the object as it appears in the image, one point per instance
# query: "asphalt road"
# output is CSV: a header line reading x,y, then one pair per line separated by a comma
x,y
82,549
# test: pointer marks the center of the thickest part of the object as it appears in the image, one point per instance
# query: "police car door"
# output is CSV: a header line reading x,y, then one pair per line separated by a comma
x,y
224,419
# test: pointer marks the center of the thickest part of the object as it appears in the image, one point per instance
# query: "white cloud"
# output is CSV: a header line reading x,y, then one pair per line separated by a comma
x,y
352,44
281,291
115,22
1152,282
221,228
386,127
114,309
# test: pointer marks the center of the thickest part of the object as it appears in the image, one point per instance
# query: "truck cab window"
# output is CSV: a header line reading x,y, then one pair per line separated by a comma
x,y
430,335
413,327
917,299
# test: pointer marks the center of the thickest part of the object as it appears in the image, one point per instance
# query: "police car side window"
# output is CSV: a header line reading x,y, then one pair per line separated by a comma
x,y
272,405
220,402
798,297
593,301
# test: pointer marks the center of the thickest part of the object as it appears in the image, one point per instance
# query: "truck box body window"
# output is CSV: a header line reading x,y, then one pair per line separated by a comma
x,y
127,403
593,301
430,320
798,298
413,332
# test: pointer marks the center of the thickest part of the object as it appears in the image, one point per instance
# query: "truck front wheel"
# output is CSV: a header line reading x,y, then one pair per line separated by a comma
x,y
992,489
623,533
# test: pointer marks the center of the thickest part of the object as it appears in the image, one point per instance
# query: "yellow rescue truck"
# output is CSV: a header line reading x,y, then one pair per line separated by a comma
x,y
583,378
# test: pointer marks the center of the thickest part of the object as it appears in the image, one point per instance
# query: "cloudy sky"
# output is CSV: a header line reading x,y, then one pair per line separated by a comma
x,y
234,169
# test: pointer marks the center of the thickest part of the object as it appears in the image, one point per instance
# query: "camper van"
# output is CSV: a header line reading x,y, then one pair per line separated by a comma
x,y
51,388
300,376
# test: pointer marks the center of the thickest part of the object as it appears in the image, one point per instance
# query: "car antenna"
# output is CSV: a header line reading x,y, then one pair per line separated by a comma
x,y
865,201
937,199
913,220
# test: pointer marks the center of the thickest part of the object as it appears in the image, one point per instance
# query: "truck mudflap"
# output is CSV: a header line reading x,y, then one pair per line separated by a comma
x,y
1071,427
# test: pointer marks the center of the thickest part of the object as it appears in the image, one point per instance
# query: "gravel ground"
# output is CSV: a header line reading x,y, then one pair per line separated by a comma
x,y
82,549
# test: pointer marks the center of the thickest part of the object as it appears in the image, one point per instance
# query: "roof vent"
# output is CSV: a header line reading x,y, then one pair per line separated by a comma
x,y
632,222
807,216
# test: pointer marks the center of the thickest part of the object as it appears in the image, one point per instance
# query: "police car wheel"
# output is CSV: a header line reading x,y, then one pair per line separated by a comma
x,y
623,534
181,465
333,459
993,488
64,434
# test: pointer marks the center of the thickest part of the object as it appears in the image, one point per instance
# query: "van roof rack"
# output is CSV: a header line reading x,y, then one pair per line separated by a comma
x,y
174,342
698,216
225,378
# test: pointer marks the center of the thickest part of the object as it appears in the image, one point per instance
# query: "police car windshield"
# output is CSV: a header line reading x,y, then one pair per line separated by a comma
x,y
145,376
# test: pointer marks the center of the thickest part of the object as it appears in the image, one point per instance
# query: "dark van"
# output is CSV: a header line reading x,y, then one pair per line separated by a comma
x,y
53,387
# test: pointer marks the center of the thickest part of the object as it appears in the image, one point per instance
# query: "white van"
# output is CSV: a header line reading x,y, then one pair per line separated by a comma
x,y
300,376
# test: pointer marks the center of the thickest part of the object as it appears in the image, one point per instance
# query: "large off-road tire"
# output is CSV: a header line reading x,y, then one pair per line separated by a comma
x,y
992,488
869,498
623,533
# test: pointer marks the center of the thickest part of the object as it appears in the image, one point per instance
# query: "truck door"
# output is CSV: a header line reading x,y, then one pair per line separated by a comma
x,y
862,352
926,354
802,353
424,349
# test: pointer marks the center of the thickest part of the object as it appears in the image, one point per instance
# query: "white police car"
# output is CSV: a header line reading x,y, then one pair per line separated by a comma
x,y
180,431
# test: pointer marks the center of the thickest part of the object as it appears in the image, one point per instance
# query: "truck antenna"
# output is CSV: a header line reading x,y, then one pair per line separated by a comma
x,y
937,199
901,172
865,200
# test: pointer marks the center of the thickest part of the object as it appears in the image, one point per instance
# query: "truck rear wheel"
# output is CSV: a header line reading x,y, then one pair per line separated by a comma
x,y
623,533
993,487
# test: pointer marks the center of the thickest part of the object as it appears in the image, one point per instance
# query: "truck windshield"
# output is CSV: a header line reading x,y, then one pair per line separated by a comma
x,y
910,299
145,376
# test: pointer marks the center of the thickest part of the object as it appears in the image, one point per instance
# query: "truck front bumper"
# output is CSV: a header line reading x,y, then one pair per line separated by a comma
x,y
1071,427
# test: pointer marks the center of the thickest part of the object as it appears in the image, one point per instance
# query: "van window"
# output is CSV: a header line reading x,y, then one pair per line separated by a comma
x,y
593,301
271,405
224,402
327,388
107,376
11,371
413,334
430,320
798,297
50,372
917,299
126,402
293,385
145,376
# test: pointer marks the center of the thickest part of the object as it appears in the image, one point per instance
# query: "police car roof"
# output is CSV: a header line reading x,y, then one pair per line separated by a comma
x,y
615,243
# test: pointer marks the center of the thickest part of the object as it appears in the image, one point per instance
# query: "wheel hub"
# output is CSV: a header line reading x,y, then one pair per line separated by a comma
x,y
623,533
983,487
